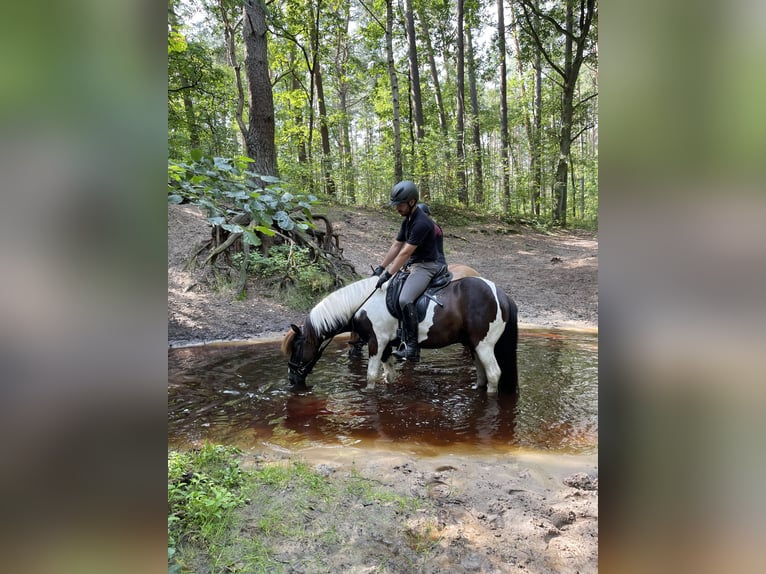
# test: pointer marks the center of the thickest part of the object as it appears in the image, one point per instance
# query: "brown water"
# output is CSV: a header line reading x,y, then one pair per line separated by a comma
x,y
239,394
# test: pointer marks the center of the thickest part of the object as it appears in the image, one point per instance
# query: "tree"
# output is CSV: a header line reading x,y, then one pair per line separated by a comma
x,y
398,168
417,98
462,190
576,38
260,130
505,167
478,190
316,67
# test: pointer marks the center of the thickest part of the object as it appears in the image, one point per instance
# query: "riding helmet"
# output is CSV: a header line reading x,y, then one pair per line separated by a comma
x,y
403,192
424,208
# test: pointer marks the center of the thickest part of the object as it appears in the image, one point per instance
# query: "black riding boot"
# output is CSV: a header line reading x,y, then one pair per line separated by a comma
x,y
411,350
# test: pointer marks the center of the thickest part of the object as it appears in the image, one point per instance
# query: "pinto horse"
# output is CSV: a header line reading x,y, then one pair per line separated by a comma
x,y
472,311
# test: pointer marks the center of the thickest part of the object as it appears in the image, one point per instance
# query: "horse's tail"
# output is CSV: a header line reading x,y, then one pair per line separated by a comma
x,y
505,352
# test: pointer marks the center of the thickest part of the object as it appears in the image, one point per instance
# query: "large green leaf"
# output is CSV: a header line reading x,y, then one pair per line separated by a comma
x,y
196,154
283,220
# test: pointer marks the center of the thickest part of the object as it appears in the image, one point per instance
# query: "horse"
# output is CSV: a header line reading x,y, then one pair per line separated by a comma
x,y
472,311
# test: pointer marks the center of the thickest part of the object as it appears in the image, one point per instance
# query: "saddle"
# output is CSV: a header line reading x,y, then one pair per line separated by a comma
x,y
438,282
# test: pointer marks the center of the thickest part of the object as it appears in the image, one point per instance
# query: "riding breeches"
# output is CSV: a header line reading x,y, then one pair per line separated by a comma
x,y
420,277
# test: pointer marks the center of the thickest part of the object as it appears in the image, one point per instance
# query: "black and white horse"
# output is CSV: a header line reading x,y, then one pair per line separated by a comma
x,y
472,311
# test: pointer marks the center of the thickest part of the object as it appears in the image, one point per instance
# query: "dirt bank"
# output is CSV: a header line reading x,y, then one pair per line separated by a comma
x,y
552,277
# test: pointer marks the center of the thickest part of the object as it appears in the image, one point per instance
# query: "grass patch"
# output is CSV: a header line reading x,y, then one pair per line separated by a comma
x,y
281,516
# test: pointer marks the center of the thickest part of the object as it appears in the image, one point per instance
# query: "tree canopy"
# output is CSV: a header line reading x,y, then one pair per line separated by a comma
x,y
365,90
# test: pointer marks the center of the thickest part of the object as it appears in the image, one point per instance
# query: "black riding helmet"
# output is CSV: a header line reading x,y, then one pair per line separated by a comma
x,y
403,192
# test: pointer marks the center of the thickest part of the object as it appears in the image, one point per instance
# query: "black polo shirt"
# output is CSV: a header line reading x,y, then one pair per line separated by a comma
x,y
418,230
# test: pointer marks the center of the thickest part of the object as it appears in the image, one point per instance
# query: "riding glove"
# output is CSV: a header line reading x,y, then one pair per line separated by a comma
x,y
378,270
383,278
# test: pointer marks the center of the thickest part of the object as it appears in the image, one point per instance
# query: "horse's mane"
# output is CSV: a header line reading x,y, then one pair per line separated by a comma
x,y
333,312
336,310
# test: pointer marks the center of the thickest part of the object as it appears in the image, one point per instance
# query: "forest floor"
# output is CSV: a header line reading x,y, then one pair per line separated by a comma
x,y
508,512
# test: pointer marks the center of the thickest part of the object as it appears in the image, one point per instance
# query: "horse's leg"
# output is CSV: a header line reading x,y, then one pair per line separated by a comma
x,y
481,374
373,368
389,366
381,358
485,353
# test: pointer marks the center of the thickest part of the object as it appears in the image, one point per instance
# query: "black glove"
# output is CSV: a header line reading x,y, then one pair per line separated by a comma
x,y
383,278
378,270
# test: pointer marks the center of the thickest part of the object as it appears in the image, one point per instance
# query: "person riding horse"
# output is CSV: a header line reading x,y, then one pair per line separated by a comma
x,y
415,248
439,235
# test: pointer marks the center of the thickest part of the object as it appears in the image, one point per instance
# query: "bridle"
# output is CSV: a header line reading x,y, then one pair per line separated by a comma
x,y
303,369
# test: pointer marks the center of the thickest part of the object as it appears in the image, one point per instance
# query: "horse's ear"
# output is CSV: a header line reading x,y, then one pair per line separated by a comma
x,y
296,329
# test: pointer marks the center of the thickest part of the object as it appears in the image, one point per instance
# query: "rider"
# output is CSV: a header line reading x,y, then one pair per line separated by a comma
x,y
415,246
439,234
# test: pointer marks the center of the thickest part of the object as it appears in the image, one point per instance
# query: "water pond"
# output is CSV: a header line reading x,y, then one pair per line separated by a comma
x,y
238,394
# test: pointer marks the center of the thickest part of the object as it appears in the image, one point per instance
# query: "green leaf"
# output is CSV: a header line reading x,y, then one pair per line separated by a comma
x,y
269,179
283,220
287,197
251,238
232,227
216,220
196,154
175,199
266,230
222,164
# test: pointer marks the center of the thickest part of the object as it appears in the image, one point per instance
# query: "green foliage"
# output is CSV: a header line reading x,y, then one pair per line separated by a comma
x,y
292,267
202,98
203,489
224,187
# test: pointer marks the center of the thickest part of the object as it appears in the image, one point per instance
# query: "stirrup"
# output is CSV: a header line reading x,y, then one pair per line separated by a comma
x,y
408,353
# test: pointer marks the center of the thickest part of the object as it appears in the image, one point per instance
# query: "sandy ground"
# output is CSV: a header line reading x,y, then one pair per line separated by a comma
x,y
496,512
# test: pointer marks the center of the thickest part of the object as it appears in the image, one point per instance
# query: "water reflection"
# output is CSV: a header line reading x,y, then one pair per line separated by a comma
x,y
240,395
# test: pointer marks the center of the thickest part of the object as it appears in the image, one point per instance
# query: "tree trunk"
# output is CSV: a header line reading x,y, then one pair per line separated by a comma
x,y
346,157
505,167
462,190
398,169
324,132
417,102
260,133
295,85
478,192
443,128
536,166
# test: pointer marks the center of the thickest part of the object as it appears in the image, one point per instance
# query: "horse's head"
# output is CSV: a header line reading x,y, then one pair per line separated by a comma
x,y
304,351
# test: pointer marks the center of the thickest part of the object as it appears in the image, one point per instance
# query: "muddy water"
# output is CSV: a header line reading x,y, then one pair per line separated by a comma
x,y
239,394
